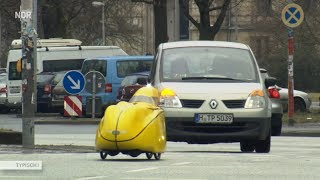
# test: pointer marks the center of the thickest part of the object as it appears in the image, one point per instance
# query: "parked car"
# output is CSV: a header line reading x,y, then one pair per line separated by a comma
x,y
3,93
44,87
58,93
302,101
130,84
213,91
277,110
114,69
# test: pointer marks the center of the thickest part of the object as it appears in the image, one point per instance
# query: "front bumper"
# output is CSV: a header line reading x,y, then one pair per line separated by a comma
x,y
186,130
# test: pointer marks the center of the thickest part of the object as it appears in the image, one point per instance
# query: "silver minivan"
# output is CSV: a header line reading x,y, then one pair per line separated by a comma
x,y
212,91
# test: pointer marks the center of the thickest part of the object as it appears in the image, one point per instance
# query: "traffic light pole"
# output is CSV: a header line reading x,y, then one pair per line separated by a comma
x,y
27,32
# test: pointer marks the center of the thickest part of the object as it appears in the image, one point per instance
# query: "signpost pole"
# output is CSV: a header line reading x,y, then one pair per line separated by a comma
x,y
27,76
292,15
290,77
93,95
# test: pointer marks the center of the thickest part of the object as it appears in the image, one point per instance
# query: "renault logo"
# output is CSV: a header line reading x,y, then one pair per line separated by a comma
x,y
213,104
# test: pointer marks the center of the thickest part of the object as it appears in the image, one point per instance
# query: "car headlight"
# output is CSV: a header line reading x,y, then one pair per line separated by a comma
x,y
255,100
168,98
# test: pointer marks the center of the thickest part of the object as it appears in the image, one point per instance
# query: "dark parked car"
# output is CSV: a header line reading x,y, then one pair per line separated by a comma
x,y
131,84
58,93
44,87
46,83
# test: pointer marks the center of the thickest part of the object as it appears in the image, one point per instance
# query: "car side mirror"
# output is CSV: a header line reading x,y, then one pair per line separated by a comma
x,y
270,81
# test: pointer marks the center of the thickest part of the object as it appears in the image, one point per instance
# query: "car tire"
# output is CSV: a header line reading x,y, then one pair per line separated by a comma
x,y
263,146
276,127
299,105
246,146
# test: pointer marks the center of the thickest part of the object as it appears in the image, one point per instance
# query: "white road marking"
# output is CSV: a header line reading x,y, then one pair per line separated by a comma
x,y
93,177
144,169
22,177
181,163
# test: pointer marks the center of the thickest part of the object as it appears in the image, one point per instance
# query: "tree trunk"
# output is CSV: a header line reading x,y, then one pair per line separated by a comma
x,y
53,20
160,22
205,32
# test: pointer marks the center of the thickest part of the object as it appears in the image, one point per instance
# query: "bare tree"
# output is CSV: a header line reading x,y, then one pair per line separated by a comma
x,y
160,20
10,27
206,30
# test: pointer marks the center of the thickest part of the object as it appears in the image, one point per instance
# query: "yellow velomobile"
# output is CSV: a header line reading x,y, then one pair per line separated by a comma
x,y
133,127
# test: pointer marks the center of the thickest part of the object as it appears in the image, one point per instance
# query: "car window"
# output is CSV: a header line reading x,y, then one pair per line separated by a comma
x,y
129,80
94,65
13,73
62,65
125,68
179,63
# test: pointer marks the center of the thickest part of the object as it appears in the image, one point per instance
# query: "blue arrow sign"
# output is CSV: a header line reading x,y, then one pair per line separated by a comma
x,y
73,82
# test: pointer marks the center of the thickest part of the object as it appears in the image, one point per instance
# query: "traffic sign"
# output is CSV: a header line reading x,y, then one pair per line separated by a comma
x,y
95,82
292,15
73,82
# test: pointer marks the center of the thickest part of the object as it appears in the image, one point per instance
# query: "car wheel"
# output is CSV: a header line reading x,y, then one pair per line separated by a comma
x,y
299,105
263,146
276,127
246,146
157,156
149,155
103,155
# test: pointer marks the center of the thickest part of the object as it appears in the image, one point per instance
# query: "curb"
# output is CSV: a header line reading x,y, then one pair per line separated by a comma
x,y
301,133
69,121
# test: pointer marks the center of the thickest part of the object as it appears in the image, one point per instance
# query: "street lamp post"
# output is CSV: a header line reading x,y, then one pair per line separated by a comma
x,y
98,3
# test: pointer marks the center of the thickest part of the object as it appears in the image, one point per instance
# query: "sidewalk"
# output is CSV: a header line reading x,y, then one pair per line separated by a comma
x,y
303,129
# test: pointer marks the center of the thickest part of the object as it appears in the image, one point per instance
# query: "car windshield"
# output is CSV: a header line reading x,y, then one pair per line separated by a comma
x,y
58,77
41,78
209,64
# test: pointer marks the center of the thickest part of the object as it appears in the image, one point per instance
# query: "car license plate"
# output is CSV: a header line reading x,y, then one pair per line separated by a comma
x,y
214,118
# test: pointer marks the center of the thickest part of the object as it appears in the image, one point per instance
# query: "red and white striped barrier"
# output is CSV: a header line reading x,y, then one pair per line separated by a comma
x,y
72,106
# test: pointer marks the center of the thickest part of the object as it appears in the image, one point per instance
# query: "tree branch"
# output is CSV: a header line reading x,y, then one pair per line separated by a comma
x,y
187,14
216,27
215,8
220,7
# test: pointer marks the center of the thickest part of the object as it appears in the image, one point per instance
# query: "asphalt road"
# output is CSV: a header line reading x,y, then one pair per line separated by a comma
x,y
290,158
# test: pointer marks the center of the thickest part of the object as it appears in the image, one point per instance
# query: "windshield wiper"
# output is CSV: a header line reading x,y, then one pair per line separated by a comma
x,y
209,78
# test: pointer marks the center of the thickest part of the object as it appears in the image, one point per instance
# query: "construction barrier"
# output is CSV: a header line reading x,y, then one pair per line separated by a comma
x,y
72,106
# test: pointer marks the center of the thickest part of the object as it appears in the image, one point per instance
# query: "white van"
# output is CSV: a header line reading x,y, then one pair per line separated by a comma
x,y
53,55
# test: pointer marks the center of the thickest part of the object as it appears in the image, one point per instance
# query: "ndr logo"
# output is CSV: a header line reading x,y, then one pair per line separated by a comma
x,y
23,15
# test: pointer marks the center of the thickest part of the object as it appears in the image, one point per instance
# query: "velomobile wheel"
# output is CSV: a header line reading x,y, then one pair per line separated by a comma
x,y
103,155
149,155
157,156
